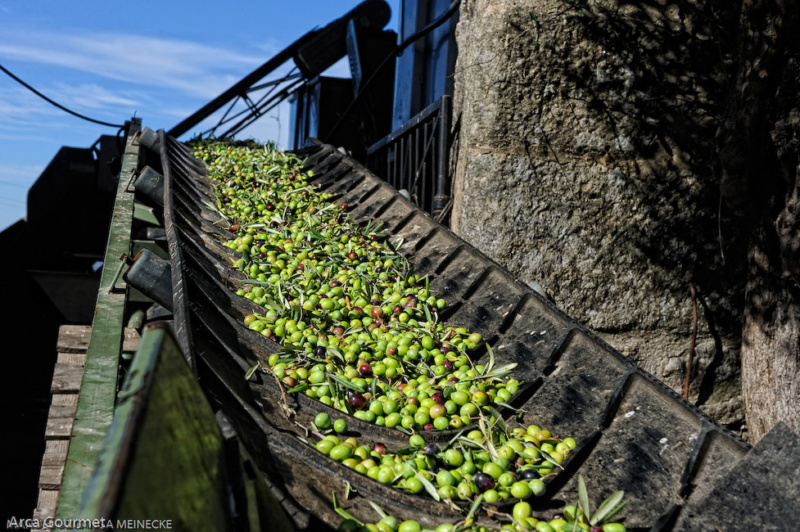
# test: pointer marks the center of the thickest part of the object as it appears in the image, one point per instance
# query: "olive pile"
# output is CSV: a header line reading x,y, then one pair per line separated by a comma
x,y
361,333
522,520
497,465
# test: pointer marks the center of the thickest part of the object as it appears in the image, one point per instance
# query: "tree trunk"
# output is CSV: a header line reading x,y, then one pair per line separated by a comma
x,y
759,157
770,341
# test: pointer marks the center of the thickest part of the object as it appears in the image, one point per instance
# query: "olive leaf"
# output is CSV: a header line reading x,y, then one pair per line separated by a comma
x,y
550,459
508,406
427,314
454,439
498,373
346,383
339,510
583,497
498,419
335,352
430,488
475,506
252,371
609,508
525,455
378,509
299,388
471,443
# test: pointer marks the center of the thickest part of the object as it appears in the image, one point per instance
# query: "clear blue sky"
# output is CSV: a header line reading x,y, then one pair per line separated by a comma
x,y
108,60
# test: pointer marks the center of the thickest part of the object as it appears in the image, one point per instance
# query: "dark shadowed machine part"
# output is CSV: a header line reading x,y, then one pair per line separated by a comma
x,y
257,93
633,432
48,277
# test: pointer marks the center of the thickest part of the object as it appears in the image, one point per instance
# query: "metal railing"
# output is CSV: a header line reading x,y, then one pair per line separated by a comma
x,y
415,158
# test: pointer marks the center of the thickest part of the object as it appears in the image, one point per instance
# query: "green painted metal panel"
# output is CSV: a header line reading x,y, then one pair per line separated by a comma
x,y
146,214
150,245
164,456
135,296
99,386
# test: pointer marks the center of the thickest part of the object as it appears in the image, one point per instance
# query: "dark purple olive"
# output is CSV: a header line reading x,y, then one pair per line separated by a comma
x,y
431,449
379,448
356,400
483,481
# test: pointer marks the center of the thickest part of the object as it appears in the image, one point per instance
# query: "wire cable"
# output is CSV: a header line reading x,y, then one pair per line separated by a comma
x,y
45,98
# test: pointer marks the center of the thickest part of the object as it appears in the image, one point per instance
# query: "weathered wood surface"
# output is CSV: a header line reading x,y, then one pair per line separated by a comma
x,y
67,378
52,472
71,345
75,339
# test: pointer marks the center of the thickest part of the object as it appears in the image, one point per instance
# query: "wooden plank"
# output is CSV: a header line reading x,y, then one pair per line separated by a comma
x,y
130,341
65,400
48,502
73,338
50,476
59,428
67,375
66,378
52,472
55,452
99,387
63,411
71,358
41,513
61,416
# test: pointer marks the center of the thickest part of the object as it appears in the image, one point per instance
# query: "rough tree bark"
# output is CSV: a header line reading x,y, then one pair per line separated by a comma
x,y
759,154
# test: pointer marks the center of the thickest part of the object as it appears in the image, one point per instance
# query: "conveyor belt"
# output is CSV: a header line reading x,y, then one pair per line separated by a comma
x,y
634,433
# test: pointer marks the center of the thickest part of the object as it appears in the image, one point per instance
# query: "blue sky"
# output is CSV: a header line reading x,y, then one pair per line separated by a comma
x,y
110,60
